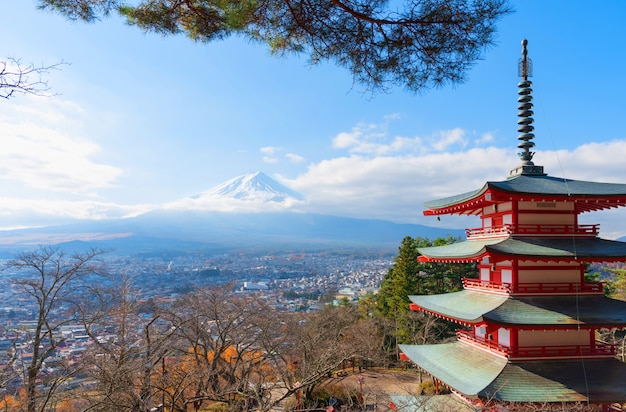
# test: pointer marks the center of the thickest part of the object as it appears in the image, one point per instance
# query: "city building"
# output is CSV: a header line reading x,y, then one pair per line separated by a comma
x,y
530,319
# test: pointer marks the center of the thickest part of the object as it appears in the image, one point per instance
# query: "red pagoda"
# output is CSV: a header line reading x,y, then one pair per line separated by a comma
x,y
530,318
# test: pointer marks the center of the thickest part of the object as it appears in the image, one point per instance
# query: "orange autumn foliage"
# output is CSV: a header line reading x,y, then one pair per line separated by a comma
x,y
10,403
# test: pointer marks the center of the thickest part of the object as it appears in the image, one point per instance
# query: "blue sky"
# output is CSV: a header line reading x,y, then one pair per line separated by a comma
x,y
140,121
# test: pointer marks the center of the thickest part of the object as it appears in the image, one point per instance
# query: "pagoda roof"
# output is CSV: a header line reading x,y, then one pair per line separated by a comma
x,y
538,248
532,187
478,373
464,306
469,307
560,310
459,366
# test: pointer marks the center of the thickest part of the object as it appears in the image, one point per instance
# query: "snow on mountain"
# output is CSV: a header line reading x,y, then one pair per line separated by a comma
x,y
248,192
252,186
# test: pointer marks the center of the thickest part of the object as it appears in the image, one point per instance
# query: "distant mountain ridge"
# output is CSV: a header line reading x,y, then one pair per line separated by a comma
x,y
180,228
175,230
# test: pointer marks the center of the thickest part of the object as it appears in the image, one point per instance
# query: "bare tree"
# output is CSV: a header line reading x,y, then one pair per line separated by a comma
x,y
227,350
323,342
51,279
127,348
17,78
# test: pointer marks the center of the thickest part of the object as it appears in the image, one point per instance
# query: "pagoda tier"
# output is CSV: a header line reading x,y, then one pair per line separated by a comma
x,y
529,328
474,308
522,265
527,248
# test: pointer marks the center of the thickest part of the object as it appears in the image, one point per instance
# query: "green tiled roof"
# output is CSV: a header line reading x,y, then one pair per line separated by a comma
x,y
465,249
460,366
475,372
590,248
595,381
549,185
562,247
560,310
473,307
452,200
537,184
464,305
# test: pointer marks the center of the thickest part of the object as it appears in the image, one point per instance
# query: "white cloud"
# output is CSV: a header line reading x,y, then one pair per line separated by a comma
x,y
43,149
269,150
484,139
218,204
295,158
270,154
20,212
374,139
449,138
395,187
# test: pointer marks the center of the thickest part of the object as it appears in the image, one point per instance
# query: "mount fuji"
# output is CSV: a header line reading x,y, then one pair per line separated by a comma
x,y
252,210
255,186
252,192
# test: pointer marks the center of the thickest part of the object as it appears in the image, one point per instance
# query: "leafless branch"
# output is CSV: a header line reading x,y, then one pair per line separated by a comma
x,y
17,78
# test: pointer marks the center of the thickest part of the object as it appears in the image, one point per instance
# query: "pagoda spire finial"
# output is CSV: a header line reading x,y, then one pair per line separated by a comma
x,y
525,122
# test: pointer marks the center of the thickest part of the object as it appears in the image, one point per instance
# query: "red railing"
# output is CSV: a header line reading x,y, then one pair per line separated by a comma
x,y
537,229
561,351
488,231
472,283
567,288
565,351
535,288
467,336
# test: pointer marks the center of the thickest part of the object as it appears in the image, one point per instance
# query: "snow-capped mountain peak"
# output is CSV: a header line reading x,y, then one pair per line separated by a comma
x,y
251,187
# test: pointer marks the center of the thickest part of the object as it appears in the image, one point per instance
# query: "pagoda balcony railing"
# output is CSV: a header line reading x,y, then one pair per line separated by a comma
x,y
534,288
559,351
473,283
565,288
537,229
467,336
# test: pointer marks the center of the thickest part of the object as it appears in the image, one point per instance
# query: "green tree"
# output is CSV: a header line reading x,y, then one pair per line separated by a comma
x,y
616,286
408,277
424,44
401,279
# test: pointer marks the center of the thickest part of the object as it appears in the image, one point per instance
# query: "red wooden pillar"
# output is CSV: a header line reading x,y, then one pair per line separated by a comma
x,y
514,276
514,339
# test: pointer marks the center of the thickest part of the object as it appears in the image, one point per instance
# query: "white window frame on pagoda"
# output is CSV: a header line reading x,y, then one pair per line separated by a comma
x,y
504,337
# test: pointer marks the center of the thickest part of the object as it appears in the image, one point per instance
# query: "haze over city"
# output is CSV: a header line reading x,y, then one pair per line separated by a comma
x,y
140,121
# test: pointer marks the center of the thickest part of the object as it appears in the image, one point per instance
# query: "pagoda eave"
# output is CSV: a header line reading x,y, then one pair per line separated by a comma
x,y
538,249
477,373
415,307
468,259
463,307
471,308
